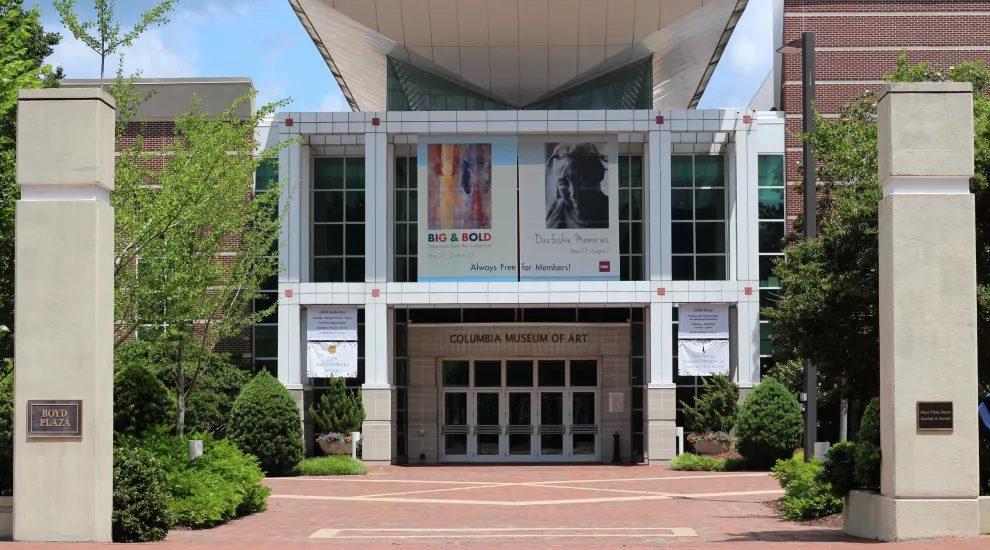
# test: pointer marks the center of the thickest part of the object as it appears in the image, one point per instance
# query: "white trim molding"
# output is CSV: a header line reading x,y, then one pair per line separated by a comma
x,y
908,185
38,193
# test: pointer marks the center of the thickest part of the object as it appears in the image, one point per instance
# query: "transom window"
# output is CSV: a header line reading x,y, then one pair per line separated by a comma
x,y
519,373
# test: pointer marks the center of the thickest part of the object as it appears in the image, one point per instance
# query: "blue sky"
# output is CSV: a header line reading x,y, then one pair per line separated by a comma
x,y
263,39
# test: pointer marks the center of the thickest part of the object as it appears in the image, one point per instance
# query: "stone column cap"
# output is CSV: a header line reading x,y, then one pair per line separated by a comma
x,y
925,88
64,94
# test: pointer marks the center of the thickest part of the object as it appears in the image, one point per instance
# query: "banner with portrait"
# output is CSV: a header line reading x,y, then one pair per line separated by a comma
x,y
568,208
467,208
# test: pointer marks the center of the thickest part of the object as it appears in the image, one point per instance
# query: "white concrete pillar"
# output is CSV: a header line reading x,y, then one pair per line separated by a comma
x,y
661,395
63,486
376,225
291,253
377,390
658,193
930,479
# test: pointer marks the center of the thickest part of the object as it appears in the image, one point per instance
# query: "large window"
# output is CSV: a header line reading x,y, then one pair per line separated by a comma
x,y
405,211
631,224
772,218
266,332
338,220
698,212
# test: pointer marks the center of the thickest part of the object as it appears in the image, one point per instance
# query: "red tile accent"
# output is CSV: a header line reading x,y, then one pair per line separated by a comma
x,y
661,291
747,119
375,293
376,121
749,291
659,120
288,122
288,293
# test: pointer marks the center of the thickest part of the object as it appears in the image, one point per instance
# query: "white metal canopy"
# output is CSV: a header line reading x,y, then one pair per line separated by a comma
x,y
518,51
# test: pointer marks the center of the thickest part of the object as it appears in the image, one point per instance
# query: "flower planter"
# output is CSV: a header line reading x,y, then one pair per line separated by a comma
x,y
336,448
710,447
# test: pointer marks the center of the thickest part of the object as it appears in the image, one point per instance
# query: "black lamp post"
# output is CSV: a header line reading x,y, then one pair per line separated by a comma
x,y
806,46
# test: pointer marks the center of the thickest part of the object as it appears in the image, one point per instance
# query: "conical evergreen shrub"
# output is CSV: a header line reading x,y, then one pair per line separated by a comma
x,y
769,425
265,423
339,410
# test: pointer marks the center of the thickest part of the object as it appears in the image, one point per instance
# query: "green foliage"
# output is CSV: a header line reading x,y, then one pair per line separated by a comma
x,y
838,470
869,426
769,424
868,459
829,286
689,462
6,436
339,410
337,465
208,404
806,494
265,423
715,410
108,37
220,485
140,401
140,497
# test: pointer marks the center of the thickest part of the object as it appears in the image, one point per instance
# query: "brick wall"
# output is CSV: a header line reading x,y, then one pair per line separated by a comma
x,y
157,135
858,41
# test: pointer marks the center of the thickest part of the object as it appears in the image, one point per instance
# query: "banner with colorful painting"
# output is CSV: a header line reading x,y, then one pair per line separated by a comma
x,y
568,208
467,208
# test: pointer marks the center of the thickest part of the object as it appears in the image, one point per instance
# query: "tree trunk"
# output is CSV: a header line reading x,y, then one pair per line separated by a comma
x,y
854,418
180,414
844,420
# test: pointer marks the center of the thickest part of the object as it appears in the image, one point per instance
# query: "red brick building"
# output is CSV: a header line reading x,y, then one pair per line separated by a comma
x,y
858,41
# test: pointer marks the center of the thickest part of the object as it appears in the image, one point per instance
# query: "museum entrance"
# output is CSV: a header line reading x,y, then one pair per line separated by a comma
x,y
520,410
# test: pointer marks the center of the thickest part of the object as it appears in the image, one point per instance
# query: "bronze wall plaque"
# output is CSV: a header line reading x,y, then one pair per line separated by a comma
x,y
934,416
49,419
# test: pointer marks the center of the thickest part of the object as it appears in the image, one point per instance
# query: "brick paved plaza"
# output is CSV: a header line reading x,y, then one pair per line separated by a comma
x,y
524,506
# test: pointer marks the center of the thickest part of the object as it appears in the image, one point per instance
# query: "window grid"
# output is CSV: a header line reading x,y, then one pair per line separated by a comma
x,y
699,232
338,220
631,222
771,214
265,336
405,213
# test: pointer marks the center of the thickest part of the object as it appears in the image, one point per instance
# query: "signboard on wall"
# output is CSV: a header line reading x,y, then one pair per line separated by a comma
x,y
326,324
331,359
568,208
467,208
702,321
702,357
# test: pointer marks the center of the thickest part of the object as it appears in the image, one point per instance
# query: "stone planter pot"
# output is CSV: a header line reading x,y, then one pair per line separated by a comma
x,y
710,447
332,448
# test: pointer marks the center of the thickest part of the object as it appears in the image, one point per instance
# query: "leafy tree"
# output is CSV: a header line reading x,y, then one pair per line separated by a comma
x,y
108,38
339,410
829,298
193,246
24,45
715,410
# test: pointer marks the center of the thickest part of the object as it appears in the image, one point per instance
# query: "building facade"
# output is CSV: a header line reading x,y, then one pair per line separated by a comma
x,y
517,219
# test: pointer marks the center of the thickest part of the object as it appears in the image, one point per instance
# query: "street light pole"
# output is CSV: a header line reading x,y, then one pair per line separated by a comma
x,y
806,45
810,225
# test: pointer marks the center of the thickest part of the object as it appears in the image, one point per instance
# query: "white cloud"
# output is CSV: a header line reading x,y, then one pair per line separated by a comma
x,y
744,56
750,50
152,54
334,101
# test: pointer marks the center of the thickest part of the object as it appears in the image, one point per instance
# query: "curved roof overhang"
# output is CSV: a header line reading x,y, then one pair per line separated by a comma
x,y
519,51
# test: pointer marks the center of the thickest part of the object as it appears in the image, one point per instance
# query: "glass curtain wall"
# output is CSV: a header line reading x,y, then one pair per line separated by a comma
x,y
771,212
698,217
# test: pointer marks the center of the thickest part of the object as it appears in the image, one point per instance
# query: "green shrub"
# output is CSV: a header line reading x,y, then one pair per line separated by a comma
x,y
339,410
725,462
220,485
337,465
868,456
140,401
806,495
839,467
7,436
265,423
769,424
140,497
715,409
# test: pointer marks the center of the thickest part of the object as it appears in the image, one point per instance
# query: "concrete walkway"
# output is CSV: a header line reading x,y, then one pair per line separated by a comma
x,y
521,506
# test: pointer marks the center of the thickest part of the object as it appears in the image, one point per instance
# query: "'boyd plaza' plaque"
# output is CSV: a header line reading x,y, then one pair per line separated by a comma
x,y
55,418
934,416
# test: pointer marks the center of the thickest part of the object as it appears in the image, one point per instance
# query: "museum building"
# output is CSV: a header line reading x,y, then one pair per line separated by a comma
x,y
525,241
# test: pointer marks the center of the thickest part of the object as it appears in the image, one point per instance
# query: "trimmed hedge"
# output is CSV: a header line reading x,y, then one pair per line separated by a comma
x,y
336,465
689,462
265,423
769,425
141,402
140,497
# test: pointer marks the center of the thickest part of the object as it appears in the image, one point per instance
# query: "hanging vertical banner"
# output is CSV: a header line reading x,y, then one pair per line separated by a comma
x,y
467,208
331,323
568,208
702,357
696,321
331,359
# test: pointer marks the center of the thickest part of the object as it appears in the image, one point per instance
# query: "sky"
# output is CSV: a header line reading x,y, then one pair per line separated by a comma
x,y
263,39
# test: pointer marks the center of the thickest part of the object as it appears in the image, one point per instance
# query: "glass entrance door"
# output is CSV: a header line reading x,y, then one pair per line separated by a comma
x,y
519,426
487,428
551,429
